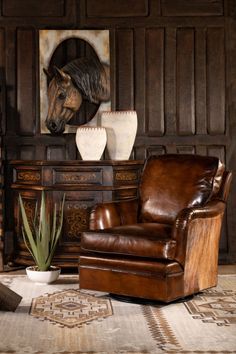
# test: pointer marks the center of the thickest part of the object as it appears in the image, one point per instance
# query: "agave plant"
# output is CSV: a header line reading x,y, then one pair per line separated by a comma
x,y
39,237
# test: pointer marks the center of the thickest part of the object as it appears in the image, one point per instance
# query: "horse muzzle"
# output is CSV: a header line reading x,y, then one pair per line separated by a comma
x,y
55,127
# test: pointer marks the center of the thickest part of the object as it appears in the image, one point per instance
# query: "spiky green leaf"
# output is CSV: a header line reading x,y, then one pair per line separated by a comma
x,y
42,241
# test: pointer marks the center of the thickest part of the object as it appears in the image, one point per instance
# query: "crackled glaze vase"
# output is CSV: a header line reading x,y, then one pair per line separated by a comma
x,y
91,142
121,127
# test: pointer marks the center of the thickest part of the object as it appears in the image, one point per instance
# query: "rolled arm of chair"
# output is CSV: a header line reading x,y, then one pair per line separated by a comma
x,y
111,214
211,209
192,226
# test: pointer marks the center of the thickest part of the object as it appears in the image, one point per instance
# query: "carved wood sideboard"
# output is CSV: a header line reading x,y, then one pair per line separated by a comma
x,y
84,183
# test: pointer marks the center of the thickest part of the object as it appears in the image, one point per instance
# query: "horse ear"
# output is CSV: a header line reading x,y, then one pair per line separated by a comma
x,y
48,74
61,75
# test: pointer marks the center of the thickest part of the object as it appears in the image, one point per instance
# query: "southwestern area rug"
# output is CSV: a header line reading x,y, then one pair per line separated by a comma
x,y
59,318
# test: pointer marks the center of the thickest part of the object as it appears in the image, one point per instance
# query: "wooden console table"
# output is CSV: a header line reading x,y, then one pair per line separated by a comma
x,y
84,183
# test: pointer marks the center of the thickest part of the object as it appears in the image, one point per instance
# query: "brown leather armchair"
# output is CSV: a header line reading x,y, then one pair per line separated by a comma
x,y
164,244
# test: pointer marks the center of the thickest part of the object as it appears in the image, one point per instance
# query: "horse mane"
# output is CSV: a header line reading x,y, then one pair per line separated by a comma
x,y
88,76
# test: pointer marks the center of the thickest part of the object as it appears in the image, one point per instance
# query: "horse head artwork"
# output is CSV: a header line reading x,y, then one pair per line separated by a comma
x,y
81,79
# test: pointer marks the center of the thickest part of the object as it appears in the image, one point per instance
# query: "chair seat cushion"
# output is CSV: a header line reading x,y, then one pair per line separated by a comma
x,y
149,240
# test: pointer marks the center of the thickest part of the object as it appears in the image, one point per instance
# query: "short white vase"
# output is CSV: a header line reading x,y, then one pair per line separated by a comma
x,y
91,142
121,127
42,277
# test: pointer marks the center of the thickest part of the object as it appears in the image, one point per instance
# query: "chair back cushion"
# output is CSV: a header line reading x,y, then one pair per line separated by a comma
x,y
172,182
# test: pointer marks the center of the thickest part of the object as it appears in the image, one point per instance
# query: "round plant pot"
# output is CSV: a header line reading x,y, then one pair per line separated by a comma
x,y
121,127
91,142
43,277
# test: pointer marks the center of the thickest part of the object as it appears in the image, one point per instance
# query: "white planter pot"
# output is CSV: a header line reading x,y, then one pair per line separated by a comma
x,y
91,142
40,277
121,127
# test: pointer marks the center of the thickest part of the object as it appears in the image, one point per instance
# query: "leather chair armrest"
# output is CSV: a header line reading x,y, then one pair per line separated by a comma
x,y
211,209
196,221
111,214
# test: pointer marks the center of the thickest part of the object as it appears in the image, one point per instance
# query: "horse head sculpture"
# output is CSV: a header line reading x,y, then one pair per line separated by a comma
x,y
81,79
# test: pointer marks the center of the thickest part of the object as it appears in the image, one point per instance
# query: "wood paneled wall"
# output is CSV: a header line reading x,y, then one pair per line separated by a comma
x,y
174,61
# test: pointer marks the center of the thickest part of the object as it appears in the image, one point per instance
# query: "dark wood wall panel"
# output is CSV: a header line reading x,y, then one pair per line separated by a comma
x,y
140,78
114,8
39,13
192,7
155,81
218,151
201,149
185,149
2,131
29,8
2,82
209,150
2,48
12,117
215,80
170,81
124,13
200,81
26,80
124,69
185,82
27,152
56,152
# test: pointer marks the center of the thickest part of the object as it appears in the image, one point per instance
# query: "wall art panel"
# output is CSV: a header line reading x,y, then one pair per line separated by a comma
x,y
92,43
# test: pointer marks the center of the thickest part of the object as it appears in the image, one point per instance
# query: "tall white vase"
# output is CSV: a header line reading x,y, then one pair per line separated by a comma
x,y
121,127
91,142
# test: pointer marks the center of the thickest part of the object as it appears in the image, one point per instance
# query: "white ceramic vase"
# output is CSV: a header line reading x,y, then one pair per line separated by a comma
x,y
91,142
121,127
42,277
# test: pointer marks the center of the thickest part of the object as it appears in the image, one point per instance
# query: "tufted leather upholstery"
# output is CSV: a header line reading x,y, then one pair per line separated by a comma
x,y
164,244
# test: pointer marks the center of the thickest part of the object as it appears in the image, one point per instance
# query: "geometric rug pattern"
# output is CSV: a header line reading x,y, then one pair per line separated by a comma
x,y
61,318
70,308
214,306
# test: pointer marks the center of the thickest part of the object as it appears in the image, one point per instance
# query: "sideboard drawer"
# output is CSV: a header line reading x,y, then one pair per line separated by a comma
x,y
27,176
77,176
126,176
